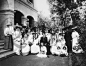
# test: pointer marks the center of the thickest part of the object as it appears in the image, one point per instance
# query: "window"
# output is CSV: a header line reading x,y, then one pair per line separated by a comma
x,y
31,1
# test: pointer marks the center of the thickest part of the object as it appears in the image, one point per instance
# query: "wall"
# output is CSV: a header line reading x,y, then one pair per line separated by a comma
x,y
25,9
6,12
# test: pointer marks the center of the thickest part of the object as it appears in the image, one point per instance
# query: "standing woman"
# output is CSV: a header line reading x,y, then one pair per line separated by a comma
x,y
8,32
68,39
17,37
75,43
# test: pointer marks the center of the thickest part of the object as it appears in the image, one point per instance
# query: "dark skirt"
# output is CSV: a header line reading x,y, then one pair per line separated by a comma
x,y
8,43
48,49
69,46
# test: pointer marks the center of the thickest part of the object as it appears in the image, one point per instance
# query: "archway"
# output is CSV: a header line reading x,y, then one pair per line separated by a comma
x,y
31,21
31,1
18,17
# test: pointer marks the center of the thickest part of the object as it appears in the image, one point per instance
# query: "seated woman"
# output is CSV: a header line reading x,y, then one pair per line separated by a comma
x,y
76,48
43,51
64,47
58,45
35,48
53,47
61,47
25,45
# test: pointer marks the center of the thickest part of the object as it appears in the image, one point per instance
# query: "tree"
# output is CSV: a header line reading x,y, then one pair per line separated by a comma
x,y
70,12
59,13
44,22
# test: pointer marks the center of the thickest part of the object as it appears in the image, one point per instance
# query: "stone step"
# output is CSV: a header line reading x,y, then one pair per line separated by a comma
x,y
3,51
1,47
1,44
1,41
6,55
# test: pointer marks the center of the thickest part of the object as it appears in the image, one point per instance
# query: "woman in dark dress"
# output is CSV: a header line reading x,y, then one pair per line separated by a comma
x,y
68,39
8,31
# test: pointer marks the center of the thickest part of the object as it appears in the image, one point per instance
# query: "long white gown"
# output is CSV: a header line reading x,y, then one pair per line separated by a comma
x,y
53,48
35,48
25,46
17,42
63,47
58,45
76,48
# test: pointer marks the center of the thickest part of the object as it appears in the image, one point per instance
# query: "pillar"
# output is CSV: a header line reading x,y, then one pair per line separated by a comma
x,y
6,14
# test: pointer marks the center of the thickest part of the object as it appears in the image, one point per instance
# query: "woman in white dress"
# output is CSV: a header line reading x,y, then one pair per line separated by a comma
x,y
17,37
35,49
63,47
76,48
53,48
58,45
25,45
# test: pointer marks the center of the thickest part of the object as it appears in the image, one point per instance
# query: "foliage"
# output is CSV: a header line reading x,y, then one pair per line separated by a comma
x,y
69,13
82,24
43,22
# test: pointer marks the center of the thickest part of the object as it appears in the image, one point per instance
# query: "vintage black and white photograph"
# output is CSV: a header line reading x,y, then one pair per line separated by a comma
x,y
42,32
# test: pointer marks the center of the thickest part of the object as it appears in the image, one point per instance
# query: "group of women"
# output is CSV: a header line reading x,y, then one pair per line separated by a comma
x,y
41,44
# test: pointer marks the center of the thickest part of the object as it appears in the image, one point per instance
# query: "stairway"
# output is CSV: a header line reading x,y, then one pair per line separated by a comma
x,y
4,53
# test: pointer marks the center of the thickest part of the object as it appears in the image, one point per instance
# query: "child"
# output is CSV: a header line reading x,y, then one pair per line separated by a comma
x,y
43,51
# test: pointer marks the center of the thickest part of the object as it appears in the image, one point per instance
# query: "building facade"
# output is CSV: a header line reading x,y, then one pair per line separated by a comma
x,y
17,11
